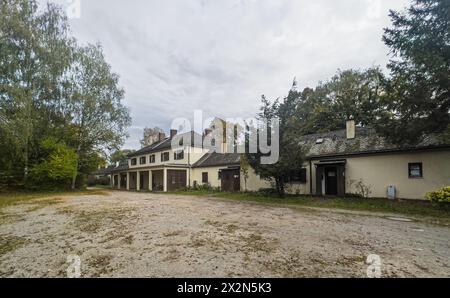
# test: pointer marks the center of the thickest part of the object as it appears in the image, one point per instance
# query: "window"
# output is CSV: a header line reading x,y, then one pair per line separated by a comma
x,y
415,170
143,160
178,155
205,177
165,156
133,161
152,158
296,177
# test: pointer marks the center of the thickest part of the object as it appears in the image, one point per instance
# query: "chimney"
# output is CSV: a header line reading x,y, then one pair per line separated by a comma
x,y
161,136
351,129
173,133
208,131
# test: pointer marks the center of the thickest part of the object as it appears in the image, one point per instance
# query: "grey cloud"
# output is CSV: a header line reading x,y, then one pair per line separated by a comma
x,y
174,56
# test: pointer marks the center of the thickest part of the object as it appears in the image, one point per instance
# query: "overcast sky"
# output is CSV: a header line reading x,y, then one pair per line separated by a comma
x,y
220,56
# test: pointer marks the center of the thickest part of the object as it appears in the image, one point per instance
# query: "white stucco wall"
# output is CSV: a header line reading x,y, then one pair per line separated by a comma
x,y
377,172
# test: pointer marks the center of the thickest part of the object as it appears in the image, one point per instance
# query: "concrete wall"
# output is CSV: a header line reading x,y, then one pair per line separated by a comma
x,y
254,182
377,172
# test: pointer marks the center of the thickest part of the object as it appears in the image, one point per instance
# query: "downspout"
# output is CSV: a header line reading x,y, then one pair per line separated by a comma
x,y
310,178
189,164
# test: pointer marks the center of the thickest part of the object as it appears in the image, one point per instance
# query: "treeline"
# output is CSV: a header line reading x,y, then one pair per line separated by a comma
x,y
406,105
60,103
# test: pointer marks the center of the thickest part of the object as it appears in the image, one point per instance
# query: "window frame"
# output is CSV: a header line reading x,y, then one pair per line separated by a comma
x,y
298,177
152,158
163,155
413,164
205,174
143,158
178,155
133,161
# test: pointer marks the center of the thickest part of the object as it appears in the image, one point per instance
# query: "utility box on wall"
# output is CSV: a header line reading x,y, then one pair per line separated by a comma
x,y
391,192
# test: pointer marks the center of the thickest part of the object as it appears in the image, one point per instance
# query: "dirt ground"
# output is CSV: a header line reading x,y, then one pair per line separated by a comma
x,y
123,234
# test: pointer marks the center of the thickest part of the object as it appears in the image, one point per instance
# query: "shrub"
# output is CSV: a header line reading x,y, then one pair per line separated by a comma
x,y
441,196
268,192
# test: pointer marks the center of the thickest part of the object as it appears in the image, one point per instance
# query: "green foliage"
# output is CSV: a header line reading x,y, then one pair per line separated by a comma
x,y
119,155
418,94
350,94
441,196
94,181
52,88
290,154
57,167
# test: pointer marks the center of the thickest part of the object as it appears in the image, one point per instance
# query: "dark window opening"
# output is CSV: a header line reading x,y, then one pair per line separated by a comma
x,y
415,170
178,155
165,156
296,177
152,158
133,161
143,160
205,177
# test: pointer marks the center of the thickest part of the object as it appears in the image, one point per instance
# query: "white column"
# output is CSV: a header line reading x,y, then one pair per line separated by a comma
x,y
138,181
111,177
150,178
128,180
118,181
165,180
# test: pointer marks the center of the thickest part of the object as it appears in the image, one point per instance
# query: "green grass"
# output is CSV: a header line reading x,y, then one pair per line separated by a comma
x,y
11,198
404,207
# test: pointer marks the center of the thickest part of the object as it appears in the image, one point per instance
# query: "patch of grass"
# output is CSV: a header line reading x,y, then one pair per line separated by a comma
x,y
6,218
12,198
172,234
91,221
100,264
405,207
10,243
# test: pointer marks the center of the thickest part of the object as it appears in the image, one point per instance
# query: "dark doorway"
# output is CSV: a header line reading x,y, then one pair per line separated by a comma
x,y
116,180
331,181
231,180
142,180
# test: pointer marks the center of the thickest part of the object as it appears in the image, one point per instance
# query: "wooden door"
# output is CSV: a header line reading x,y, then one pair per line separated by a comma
x,y
176,179
231,180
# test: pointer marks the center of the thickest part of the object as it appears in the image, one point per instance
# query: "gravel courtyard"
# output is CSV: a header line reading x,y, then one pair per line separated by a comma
x,y
121,234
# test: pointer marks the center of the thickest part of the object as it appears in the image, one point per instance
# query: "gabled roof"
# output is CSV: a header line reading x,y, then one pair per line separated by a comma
x,y
218,159
166,144
367,141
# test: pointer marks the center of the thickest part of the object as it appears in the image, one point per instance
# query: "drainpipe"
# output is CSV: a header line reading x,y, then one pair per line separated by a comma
x,y
189,166
310,178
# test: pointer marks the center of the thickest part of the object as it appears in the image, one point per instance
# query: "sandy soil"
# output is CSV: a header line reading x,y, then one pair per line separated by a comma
x,y
124,234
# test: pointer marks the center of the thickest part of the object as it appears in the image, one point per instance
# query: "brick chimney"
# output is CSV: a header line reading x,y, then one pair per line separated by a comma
x,y
173,133
351,129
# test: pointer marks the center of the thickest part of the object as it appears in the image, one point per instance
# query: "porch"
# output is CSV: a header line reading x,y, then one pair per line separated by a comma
x,y
158,179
